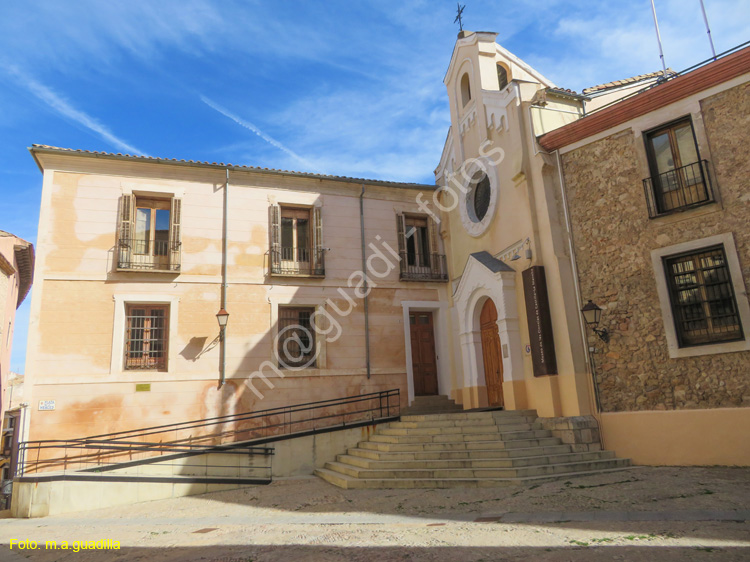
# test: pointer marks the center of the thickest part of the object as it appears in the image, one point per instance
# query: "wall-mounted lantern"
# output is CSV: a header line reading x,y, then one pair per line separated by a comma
x,y
223,317
592,314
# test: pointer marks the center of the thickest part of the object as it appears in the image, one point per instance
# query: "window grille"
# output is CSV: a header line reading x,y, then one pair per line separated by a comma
x,y
702,298
147,338
296,337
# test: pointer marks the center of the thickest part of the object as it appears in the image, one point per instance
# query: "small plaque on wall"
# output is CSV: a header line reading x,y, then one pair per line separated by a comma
x,y
538,315
143,387
46,405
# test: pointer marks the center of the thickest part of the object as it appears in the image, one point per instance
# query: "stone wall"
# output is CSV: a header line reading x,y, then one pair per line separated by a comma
x,y
580,432
613,240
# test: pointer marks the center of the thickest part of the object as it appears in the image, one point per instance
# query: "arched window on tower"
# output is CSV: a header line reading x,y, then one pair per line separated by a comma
x,y
502,76
465,89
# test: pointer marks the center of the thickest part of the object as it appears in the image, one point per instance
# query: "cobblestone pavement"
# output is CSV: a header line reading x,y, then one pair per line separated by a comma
x,y
640,514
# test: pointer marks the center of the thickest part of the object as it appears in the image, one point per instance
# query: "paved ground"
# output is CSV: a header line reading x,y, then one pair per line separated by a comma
x,y
641,514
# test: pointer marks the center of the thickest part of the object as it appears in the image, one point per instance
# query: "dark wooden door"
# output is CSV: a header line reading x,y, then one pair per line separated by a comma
x,y
491,354
423,362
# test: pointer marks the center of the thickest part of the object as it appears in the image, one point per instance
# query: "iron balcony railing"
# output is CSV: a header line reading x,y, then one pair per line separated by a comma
x,y
297,261
245,431
679,189
148,254
423,267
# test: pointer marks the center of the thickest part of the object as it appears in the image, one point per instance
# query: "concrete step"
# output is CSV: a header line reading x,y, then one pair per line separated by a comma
x,y
457,445
484,435
426,405
375,454
441,423
496,462
497,414
484,428
347,482
475,473
484,421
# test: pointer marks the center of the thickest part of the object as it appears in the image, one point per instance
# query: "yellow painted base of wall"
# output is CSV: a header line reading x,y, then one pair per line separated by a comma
x,y
680,437
474,397
544,396
514,395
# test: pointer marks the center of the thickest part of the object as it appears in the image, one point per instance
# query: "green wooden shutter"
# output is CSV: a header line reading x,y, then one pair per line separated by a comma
x,y
435,259
400,229
318,259
126,231
274,235
175,246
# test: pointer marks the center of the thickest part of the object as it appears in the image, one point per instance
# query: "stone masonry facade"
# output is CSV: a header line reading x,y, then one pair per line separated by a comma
x,y
613,239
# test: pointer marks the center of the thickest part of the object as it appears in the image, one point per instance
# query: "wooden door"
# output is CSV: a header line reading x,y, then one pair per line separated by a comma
x,y
423,361
491,354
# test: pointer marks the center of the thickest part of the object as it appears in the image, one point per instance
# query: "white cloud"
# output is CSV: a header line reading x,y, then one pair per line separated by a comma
x,y
64,108
247,125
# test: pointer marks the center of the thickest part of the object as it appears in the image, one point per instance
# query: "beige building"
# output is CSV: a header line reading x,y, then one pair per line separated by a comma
x,y
16,275
130,275
659,205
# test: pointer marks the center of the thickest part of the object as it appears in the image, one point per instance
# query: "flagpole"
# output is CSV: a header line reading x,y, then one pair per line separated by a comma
x,y
708,29
658,38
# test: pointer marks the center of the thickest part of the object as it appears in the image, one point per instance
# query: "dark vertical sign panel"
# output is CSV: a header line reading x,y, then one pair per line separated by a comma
x,y
540,322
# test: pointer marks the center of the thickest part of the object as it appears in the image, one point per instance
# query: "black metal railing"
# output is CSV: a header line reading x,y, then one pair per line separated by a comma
x,y
148,254
92,455
234,431
423,267
679,189
297,261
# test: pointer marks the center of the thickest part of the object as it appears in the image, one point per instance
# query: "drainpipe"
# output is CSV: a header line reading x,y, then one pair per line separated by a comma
x,y
574,267
364,273
20,467
222,342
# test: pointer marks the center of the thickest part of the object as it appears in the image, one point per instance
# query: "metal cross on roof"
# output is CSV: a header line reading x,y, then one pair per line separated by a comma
x,y
460,10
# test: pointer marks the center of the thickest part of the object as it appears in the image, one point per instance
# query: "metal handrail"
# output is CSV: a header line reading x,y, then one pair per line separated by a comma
x,y
110,448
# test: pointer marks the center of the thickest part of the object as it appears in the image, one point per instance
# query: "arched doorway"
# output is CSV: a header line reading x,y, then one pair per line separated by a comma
x,y
491,354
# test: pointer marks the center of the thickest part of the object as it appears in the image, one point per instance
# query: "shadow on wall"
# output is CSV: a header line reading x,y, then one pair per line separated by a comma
x,y
197,347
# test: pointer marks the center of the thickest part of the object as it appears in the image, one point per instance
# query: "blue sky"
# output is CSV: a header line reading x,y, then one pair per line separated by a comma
x,y
342,87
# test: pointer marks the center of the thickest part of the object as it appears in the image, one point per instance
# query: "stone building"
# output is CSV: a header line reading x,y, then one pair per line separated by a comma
x,y
659,199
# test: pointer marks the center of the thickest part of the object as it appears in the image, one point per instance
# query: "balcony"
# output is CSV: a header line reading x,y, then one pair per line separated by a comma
x,y
423,267
142,254
678,190
298,262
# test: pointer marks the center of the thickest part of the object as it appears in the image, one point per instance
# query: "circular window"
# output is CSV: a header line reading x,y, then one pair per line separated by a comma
x,y
480,203
479,199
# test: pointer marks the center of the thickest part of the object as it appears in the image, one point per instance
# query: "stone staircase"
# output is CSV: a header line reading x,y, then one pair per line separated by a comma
x,y
431,405
471,449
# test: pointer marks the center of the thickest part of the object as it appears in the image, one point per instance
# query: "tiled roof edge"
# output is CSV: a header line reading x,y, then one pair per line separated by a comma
x,y
43,148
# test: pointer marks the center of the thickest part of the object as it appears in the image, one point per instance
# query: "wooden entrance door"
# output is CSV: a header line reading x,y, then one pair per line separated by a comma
x,y
423,362
491,354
